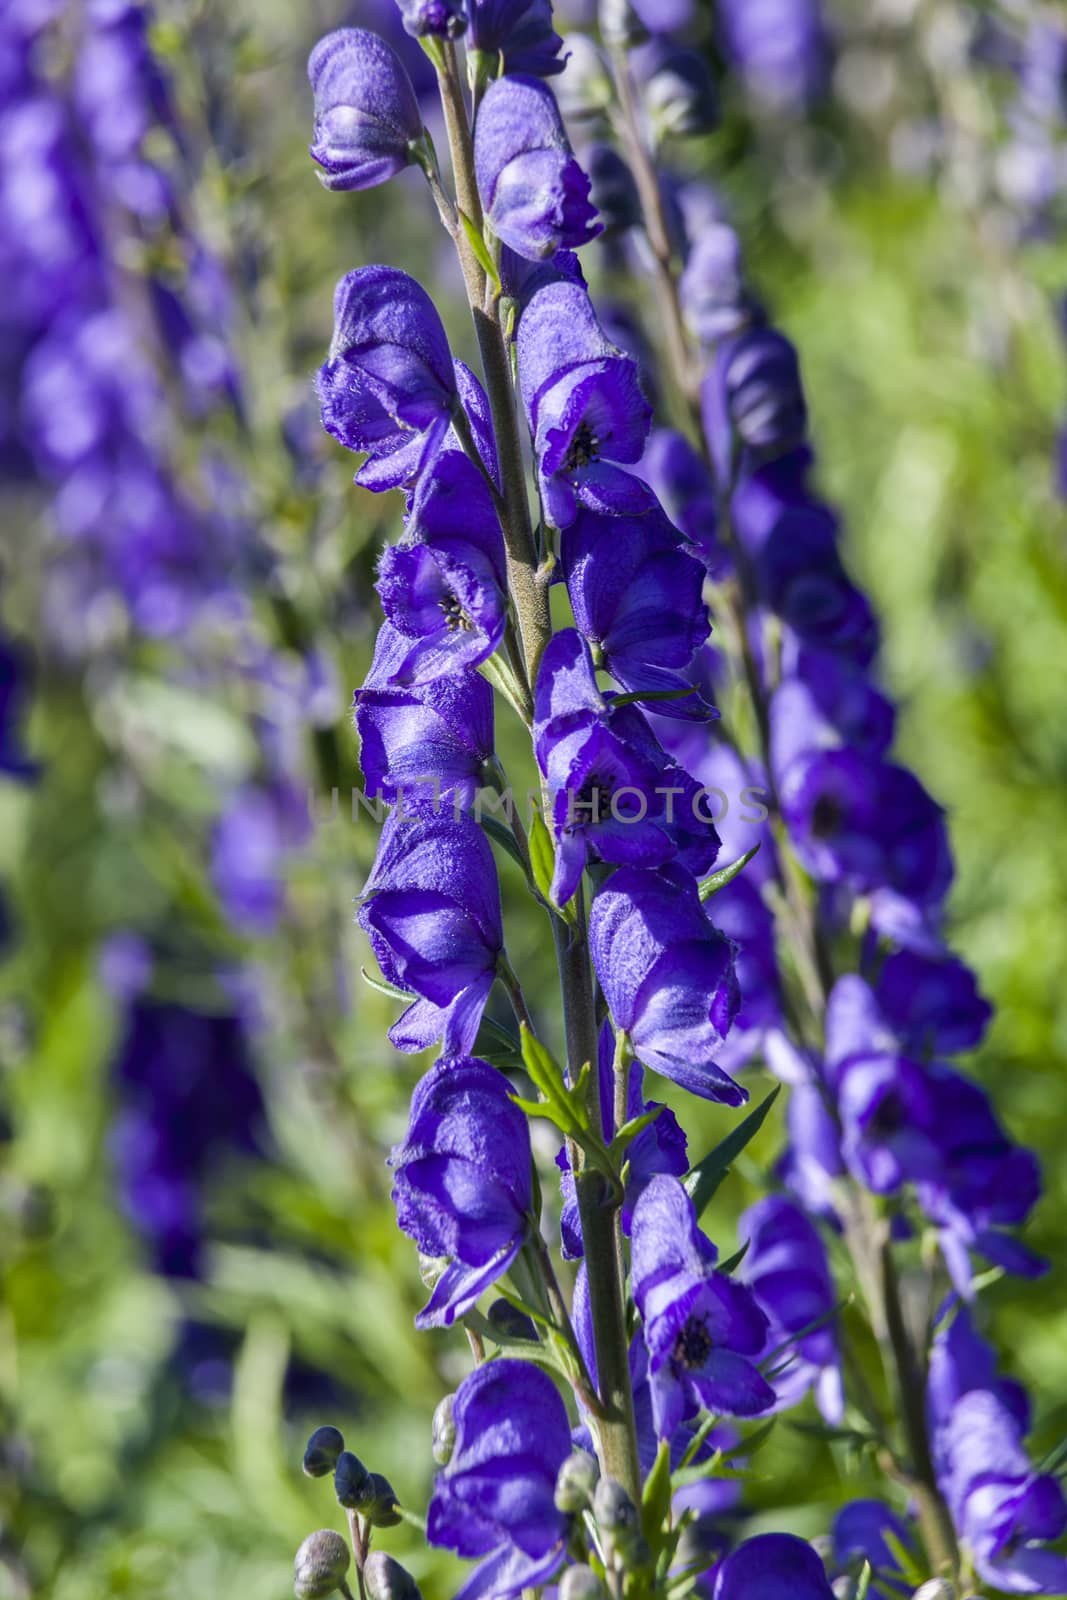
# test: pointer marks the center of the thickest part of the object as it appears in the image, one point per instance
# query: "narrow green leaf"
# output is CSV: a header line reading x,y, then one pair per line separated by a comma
x,y
732,1263
383,986
629,1131
708,1174
493,1038
542,855
864,1584
504,838
481,251
641,695
718,880
656,1496
543,1067
904,1558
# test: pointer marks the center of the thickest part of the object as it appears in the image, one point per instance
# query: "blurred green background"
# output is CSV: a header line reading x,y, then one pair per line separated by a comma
x,y
129,1465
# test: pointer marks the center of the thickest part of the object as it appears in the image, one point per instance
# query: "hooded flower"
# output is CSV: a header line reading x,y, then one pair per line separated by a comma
x,y
1005,1511
715,299
683,485
462,1184
661,1147
495,1498
438,733
667,976
772,1566
430,18
584,404
636,592
787,1270
443,587
388,386
431,910
520,31
752,399
778,46
932,1003
534,192
702,1329
366,113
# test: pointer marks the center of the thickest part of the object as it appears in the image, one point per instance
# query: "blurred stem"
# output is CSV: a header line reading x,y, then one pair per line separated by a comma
x,y
616,1427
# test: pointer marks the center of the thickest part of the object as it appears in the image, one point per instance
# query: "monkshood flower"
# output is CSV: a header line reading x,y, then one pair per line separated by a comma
x,y
259,828
518,31
495,1498
438,733
462,1182
366,115
701,1328
858,1535
752,396
667,976
779,47
431,910
772,1566
427,18
715,299
788,1272
681,482
812,1163
932,1002
1005,1511
534,192
584,404
661,1147
388,386
637,597
608,790
444,586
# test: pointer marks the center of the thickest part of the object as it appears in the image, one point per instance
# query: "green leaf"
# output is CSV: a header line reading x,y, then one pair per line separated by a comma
x,y
504,838
732,1263
708,1174
864,1584
641,695
496,1041
383,986
718,880
829,1434
542,855
629,1131
481,251
656,1496
904,1558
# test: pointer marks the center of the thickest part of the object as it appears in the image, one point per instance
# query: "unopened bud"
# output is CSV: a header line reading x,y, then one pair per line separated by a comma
x,y
322,1450
380,1507
443,1431
935,1589
351,1480
510,1321
386,1579
618,1522
581,1583
620,26
678,92
320,1565
576,1483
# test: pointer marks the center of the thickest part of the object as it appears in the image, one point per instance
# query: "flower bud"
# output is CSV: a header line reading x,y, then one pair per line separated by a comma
x,y
581,1583
386,1579
322,1450
511,1322
678,92
618,1522
366,115
380,1506
320,1565
443,1431
935,1589
351,1481
576,1482
620,25
445,19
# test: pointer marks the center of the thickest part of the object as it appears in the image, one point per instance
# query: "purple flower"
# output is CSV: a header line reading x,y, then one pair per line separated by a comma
x,y
443,18
683,485
787,1270
495,1499
701,1327
667,976
637,597
752,399
613,191
603,787
388,385
535,194
1004,1510
520,31
366,114
431,910
778,46
584,404
932,1003
256,833
444,586
462,1185
772,1566
438,733
812,1162
14,694
661,1147
858,1535
759,1027
676,89
714,297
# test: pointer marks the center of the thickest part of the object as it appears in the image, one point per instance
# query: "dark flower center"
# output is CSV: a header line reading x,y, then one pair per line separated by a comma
x,y
693,1345
585,447
455,616
591,802
889,1117
826,816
